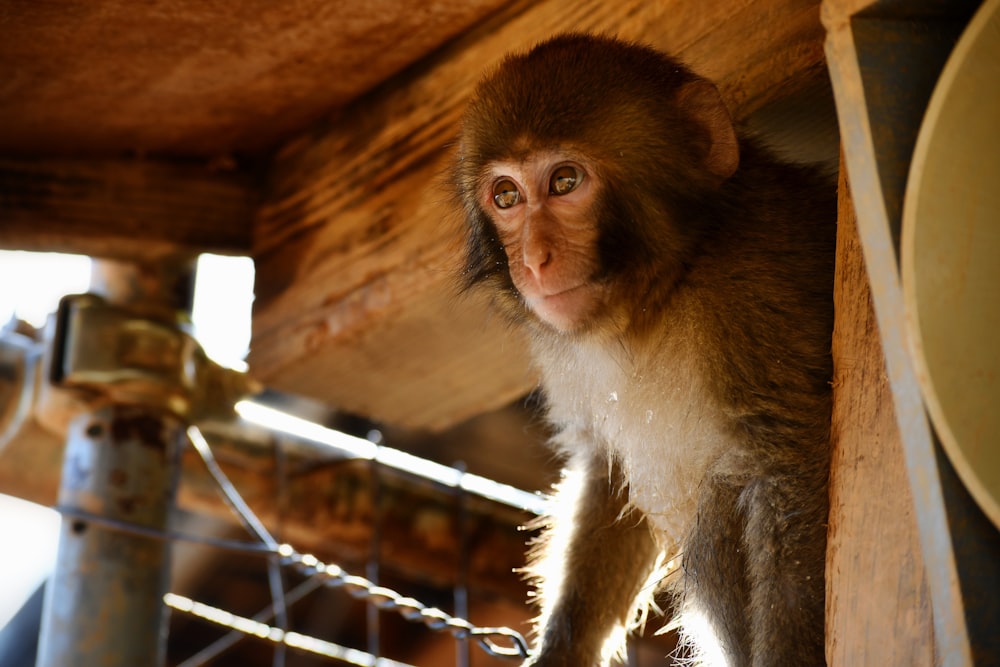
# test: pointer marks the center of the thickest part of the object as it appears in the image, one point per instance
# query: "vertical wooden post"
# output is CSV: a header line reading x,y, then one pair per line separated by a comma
x,y
884,58
878,605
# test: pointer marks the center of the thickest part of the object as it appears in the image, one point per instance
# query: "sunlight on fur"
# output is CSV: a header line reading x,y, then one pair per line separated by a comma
x,y
699,646
549,573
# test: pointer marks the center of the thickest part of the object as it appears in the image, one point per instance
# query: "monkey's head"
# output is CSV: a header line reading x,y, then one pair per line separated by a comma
x,y
582,166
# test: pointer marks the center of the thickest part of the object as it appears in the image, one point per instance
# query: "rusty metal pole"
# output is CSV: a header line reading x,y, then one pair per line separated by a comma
x,y
104,605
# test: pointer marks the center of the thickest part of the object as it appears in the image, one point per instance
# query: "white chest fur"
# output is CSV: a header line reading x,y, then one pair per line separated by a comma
x,y
650,409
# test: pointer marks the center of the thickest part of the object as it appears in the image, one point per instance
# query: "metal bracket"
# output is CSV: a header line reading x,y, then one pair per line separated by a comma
x,y
104,351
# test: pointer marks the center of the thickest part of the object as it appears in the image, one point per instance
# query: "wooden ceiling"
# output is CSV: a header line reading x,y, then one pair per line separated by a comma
x,y
313,136
200,79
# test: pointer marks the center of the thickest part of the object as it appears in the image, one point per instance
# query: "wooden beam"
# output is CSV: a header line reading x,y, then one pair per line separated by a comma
x,y
198,78
883,65
124,209
356,244
878,603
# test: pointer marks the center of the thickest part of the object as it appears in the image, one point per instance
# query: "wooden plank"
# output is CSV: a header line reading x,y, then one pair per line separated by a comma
x,y
192,78
878,603
356,245
125,209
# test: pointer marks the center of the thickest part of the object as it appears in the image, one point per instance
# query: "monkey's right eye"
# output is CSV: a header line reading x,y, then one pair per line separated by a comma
x,y
505,193
564,180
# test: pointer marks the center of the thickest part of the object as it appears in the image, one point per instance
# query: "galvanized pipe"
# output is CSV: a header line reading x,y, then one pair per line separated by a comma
x,y
104,603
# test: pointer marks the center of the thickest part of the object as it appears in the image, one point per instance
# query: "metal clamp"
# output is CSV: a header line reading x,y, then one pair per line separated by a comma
x,y
104,351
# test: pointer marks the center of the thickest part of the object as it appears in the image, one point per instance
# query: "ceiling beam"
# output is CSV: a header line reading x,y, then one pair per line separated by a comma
x,y
124,209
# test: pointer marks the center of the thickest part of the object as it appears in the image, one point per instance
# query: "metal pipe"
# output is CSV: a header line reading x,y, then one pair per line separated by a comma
x,y
162,291
104,603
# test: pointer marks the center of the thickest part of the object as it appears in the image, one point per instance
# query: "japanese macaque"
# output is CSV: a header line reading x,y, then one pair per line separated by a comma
x,y
676,283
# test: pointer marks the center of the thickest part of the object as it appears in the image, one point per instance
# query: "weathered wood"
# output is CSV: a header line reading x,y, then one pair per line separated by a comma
x,y
356,244
878,604
126,209
880,66
321,505
192,78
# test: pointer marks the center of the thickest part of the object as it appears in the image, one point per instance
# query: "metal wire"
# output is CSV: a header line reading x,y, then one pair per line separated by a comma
x,y
252,524
251,548
372,568
223,643
496,641
461,590
386,599
277,636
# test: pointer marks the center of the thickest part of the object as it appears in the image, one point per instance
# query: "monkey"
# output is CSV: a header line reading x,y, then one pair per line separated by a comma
x,y
675,281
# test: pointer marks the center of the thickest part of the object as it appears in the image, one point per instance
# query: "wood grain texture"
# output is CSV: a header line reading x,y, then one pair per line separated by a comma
x,y
878,605
124,209
356,243
192,78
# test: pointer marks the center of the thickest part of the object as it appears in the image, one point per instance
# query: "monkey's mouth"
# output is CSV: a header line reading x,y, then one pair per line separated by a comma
x,y
565,309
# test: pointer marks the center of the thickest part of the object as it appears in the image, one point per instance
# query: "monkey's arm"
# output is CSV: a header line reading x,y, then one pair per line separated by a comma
x,y
754,563
785,543
590,565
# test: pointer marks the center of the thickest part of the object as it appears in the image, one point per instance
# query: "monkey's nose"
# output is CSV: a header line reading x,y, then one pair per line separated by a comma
x,y
537,259
536,250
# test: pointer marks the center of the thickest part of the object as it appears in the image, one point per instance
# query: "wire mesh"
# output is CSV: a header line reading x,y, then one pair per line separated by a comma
x,y
271,623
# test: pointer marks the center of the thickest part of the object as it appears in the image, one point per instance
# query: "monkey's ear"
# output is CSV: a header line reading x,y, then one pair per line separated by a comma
x,y
701,99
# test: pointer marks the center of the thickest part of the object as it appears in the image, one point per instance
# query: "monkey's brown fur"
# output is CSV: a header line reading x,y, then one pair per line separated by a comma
x,y
693,404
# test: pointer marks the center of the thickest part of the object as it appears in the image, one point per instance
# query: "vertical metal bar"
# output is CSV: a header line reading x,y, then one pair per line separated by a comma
x,y
374,558
461,591
275,576
162,291
104,604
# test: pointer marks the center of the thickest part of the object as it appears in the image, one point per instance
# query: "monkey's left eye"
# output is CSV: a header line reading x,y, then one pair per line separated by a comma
x,y
505,193
564,180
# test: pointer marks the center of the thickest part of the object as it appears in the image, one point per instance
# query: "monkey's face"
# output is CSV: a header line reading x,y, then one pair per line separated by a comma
x,y
543,208
584,169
